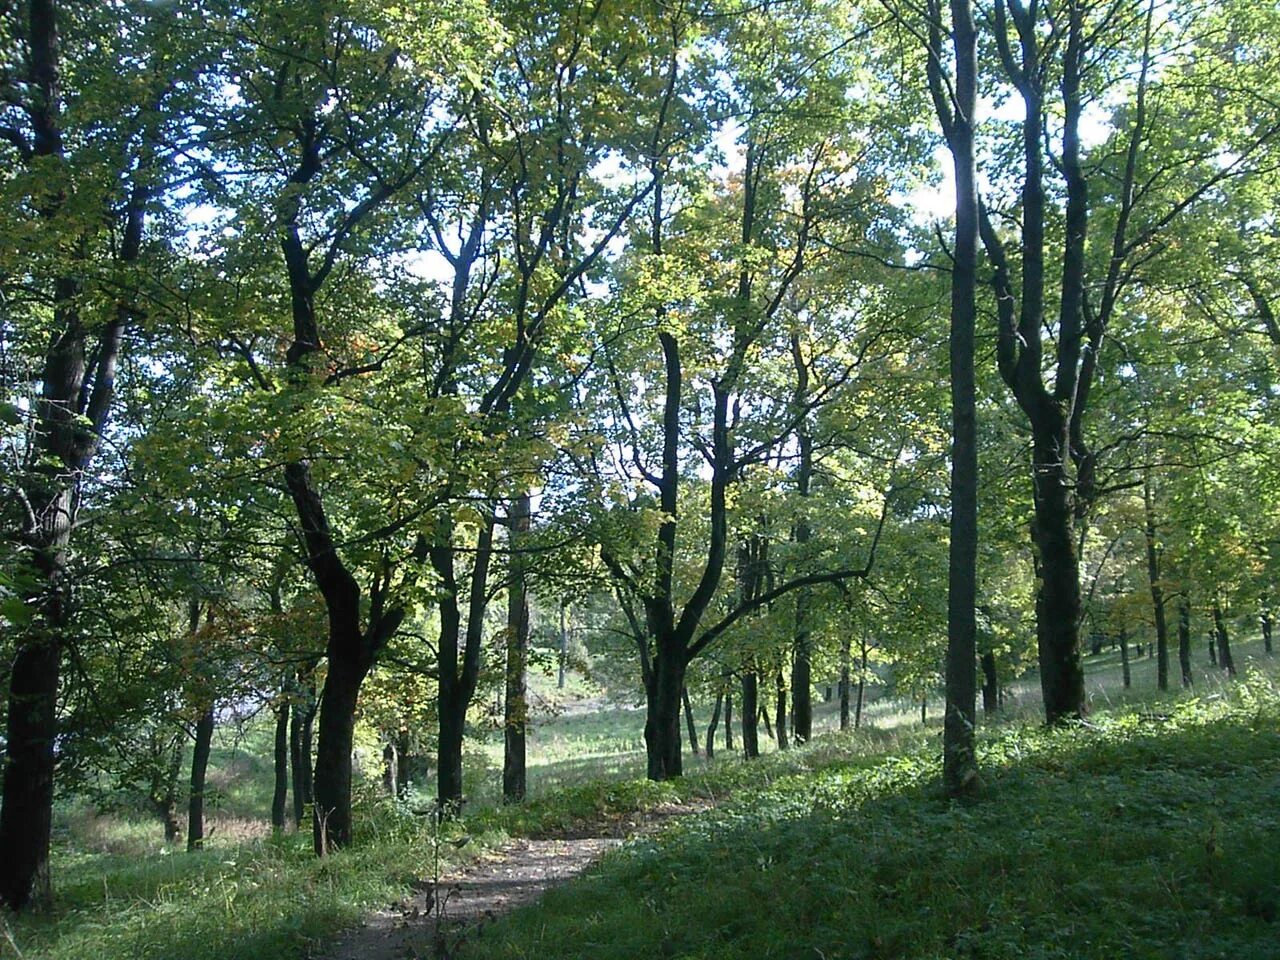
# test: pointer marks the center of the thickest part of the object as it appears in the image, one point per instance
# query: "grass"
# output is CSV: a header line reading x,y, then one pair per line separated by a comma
x,y
1141,836
849,825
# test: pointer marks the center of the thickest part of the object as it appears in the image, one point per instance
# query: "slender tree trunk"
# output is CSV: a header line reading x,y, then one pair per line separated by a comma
x,y
295,763
1224,641
280,795
990,685
801,666
564,647
780,726
516,715
404,756
764,718
1266,631
846,679
750,715
199,770
715,722
728,720
1124,657
924,708
164,794
1157,591
390,769
688,719
1184,640
959,759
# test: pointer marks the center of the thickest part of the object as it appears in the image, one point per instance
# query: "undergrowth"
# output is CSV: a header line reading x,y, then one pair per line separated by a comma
x,y
1140,835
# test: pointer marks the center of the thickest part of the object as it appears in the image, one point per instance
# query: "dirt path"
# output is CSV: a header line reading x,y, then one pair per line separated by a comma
x,y
494,884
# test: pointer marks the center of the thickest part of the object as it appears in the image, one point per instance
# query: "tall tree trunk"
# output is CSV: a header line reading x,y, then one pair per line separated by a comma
x,y
1266,630
846,679
750,715
1124,657
280,795
801,664
199,769
516,714
1157,591
990,685
1184,640
1225,660
780,726
959,759
688,720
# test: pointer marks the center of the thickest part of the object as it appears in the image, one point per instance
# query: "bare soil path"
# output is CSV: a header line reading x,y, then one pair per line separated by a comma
x,y
512,876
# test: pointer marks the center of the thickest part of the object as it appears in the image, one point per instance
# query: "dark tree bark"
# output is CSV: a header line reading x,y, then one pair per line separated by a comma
x,y
77,387
1225,660
715,722
1184,640
1157,590
280,793
780,725
846,680
688,721
1266,630
1124,657
300,741
516,713
750,715
955,104
990,685
801,663
199,770
728,720
1063,465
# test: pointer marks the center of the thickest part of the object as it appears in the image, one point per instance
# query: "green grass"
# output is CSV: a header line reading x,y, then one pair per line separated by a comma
x,y
1141,836
833,827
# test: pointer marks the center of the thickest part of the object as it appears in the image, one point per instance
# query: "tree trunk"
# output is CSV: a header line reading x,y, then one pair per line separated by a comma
x,y
564,648
331,804
164,791
688,719
390,769
924,708
1184,640
280,795
846,679
1157,591
780,726
516,713
1266,631
990,685
959,759
199,769
728,720
662,723
1124,657
750,715
715,722
1225,660
1058,600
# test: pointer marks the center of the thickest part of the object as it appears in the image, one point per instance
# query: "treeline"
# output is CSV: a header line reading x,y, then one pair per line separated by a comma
x,y
335,336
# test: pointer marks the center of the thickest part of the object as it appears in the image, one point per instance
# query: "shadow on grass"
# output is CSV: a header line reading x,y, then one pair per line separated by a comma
x,y
1144,839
